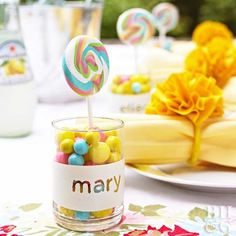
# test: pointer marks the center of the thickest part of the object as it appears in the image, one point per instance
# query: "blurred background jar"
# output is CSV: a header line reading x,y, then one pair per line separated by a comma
x,y
17,91
47,28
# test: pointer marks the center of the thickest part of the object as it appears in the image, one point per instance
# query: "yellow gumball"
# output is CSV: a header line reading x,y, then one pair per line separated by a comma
x,y
134,78
114,143
66,212
120,89
116,80
66,146
111,133
146,79
127,87
114,157
92,138
102,214
61,135
114,88
99,154
145,88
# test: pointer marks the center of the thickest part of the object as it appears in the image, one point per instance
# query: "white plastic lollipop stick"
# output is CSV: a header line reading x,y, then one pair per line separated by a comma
x,y
135,59
90,112
162,37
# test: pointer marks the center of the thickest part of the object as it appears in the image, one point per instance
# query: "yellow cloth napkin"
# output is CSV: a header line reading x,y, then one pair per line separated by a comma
x,y
230,95
155,139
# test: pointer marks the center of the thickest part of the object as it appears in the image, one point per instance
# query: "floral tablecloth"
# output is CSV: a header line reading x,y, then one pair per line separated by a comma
x,y
154,220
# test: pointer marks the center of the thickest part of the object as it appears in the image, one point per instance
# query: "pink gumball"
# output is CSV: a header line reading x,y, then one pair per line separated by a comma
x,y
61,157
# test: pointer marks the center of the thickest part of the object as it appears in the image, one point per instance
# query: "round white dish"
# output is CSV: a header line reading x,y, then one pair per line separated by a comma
x,y
206,178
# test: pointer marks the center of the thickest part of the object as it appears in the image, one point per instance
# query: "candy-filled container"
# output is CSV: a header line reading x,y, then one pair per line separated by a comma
x,y
88,173
130,93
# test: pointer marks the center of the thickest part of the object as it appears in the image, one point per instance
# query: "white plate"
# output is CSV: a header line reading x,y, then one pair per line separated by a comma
x,y
202,178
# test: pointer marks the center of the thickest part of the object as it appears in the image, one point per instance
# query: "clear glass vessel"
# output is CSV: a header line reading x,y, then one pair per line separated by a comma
x,y
88,175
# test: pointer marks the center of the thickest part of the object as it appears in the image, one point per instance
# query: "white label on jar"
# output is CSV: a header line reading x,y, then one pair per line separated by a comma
x,y
14,67
88,188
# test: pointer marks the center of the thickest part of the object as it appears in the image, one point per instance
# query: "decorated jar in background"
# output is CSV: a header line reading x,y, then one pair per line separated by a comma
x,y
130,93
17,92
88,175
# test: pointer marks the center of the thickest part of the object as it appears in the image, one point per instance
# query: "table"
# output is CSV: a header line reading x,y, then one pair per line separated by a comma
x,y
25,177
25,167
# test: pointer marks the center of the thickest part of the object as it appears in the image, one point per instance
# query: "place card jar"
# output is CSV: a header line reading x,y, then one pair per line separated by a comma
x,y
88,173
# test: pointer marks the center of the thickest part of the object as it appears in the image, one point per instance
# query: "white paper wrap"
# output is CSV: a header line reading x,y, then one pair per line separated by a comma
x,y
129,103
103,189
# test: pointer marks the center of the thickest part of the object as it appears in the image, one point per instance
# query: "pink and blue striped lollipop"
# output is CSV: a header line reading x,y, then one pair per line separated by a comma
x,y
85,65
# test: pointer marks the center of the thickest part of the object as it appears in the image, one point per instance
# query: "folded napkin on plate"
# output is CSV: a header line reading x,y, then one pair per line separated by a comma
x,y
155,139
230,95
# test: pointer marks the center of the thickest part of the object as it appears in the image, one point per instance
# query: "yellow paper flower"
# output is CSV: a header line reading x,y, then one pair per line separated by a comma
x,y
216,59
193,96
208,30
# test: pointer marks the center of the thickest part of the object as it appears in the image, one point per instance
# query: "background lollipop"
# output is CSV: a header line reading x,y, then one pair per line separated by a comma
x,y
86,67
166,16
134,27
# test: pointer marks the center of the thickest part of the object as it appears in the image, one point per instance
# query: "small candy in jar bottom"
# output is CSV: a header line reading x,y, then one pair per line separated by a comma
x,y
83,215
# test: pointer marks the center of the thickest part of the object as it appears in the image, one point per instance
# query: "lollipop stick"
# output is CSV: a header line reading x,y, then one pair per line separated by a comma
x,y
90,114
162,38
135,59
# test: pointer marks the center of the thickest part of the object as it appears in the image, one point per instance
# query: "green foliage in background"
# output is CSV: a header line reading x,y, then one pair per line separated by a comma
x,y
220,10
191,13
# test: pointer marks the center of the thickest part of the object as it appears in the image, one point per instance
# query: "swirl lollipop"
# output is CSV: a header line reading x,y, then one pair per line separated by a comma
x,y
86,67
166,16
134,27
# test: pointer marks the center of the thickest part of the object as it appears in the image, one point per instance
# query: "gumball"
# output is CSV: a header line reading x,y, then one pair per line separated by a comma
x,y
66,145
111,133
75,159
145,88
114,157
120,89
127,87
102,214
82,215
61,135
92,138
61,157
102,136
85,65
81,147
66,212
100,153
136,87
89,163
114,143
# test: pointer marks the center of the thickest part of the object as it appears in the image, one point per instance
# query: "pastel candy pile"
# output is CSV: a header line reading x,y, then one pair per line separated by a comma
x,y
85,149
166,16
85,65
133,84
135,26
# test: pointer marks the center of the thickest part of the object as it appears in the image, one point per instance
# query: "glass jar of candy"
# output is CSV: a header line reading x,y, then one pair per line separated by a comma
x,y
88,174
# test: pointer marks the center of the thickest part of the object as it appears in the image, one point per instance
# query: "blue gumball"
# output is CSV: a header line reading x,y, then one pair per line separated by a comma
x,y
81,147
75,159
82,215
136,87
